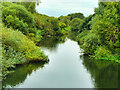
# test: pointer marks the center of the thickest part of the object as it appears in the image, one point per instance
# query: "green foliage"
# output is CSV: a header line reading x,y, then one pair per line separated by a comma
x,y
21,43
30,6
63,28
107,26
76,15
86,23
18,49
103,53
49,26
55,24
40,21
103,39
43,25
88,41
68,28
37,37
100,9
65,19
9,59
17,17
62,25
75,24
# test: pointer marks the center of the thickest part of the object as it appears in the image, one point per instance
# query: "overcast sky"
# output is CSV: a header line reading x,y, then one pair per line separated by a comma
x,y
57,8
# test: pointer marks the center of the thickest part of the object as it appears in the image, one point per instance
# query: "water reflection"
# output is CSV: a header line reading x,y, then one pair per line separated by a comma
x,y
51,43
104,73
66,69
20,74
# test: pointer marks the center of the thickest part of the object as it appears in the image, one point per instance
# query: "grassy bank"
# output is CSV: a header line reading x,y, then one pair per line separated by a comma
x,y
18,49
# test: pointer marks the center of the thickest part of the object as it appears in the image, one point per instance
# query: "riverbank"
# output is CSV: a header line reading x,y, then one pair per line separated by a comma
x,y
22,29
99,33
18,49
68,68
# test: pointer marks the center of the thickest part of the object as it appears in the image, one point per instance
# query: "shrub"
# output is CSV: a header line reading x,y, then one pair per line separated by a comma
x,y
65,19
55,24
17,17
30,6
85,24
62,25
103,40
76,15
21,43
103,52
9,59
75,24
88,41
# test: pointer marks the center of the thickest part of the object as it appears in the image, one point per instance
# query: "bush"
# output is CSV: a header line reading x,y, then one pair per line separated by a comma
x,y
17,17
55,24
103,41
62,25
88,41
75,24
65,19
76,15
86,23
21,43
9,59
103,52
30,6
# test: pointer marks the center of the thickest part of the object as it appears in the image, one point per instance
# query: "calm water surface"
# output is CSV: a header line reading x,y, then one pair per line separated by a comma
x,y
68,68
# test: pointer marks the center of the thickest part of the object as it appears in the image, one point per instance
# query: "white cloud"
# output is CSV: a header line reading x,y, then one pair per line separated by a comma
x,y
64,7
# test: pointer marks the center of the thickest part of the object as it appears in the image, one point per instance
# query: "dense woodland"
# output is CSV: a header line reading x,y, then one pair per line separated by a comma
x,y
23,28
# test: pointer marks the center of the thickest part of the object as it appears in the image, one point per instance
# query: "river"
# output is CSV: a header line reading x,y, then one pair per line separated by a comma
x,y
67,68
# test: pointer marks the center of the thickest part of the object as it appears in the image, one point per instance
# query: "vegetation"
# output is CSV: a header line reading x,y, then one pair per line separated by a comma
x,y
23,29
86,23
65,19
75,24
103,40
17,17
18,49
49,26
30,6
21,43
76,15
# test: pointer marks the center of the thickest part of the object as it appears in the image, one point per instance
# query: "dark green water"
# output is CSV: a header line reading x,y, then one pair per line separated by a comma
x,y
68,68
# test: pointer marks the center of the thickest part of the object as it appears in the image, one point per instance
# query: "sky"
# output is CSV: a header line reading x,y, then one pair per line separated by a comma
x,y
57,8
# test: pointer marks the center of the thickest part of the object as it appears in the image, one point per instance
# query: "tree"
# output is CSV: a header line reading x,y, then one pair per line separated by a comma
x,y
86,23
17,17
30,6
55,23
76,15
66,20
103,40
75,24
